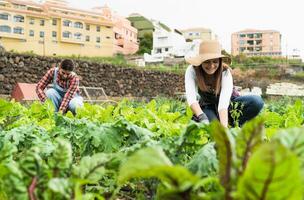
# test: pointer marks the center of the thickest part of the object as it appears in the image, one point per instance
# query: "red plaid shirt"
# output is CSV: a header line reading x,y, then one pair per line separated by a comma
x,y
71,91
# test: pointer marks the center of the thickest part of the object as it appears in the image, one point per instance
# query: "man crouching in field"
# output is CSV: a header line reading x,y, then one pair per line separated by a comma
x,y
65,90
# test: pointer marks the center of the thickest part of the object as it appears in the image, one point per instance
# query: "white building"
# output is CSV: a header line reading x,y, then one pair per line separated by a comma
x,y
167,42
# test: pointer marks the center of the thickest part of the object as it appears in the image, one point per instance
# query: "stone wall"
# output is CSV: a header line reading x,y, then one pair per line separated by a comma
x,y
116,81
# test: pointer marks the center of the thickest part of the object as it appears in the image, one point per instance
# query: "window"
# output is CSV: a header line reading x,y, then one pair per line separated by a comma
x,y
250,42
250,48
67,23
18,18
258,48
78,36
258,35
87,27
78,25
67,34
18,30
197,34
242,42
5,29
31,33
54,22
167,49
4,16
250,35
42,22
117,36
242,35
258,42
158,50
54,34
88,38
242,49
19,6
98,39
41,34
190,34
32,21
98,28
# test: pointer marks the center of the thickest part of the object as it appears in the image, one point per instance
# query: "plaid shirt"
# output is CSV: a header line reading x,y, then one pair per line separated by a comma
x,y
71,91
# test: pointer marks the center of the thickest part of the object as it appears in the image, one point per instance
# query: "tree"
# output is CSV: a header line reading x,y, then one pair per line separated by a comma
x,y
146,44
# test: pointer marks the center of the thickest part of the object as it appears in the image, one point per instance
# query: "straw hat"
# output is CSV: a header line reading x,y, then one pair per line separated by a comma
x,y
209,49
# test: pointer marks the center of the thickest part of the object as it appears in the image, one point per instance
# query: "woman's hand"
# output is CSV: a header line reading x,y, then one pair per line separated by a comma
x,y
202,118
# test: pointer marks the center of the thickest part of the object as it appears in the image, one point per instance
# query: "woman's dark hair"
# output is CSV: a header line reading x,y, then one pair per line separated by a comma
x,y
67,64
202,78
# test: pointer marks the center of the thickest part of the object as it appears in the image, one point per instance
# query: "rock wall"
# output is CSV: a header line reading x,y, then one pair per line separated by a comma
x,y
116,81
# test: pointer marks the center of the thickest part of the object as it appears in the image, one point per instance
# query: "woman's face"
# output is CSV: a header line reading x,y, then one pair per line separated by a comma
x,y
210,66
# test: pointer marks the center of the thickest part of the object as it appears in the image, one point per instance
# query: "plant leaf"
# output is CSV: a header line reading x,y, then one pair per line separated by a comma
x,y
273,172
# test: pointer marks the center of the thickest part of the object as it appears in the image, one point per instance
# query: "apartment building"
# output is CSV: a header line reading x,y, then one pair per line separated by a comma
x,y
125,35
252,42
199,33
53,28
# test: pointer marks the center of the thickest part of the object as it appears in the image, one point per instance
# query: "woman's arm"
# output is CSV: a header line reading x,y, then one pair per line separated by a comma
x,y
223,114
225,95
191,90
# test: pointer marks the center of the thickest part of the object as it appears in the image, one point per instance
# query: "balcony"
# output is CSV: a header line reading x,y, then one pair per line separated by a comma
x,y
67,37
9,32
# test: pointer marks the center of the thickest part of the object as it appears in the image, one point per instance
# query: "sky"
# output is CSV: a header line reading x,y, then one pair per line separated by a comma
x,y
222,16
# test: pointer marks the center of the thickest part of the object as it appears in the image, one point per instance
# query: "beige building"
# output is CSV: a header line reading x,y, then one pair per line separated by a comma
x,y
202,34
253,42
53,28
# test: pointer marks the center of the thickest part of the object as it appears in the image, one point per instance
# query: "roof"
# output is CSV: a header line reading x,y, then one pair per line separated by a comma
x,y
255,31
201,29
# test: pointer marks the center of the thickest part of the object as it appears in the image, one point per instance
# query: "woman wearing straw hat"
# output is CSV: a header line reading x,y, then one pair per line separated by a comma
x,y
210,77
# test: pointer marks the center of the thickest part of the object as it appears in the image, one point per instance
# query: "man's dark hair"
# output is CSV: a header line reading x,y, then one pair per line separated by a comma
x,y
67,64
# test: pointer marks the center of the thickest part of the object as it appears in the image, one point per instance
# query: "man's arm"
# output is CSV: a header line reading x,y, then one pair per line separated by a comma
x,y
42,84
74,83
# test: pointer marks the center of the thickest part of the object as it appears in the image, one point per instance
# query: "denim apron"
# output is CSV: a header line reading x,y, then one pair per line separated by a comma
x,y
57,87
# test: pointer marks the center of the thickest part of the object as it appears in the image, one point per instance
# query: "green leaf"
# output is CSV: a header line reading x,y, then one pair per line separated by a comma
x,y
224,145
293,139
103,138
150,162
250,137
141,163
273,172
61,157
92,168
7,151
12,181
31,163
204,163
61,186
